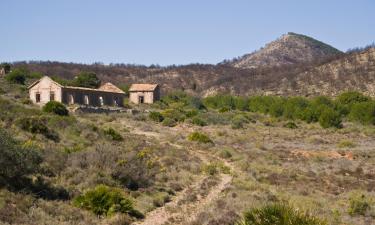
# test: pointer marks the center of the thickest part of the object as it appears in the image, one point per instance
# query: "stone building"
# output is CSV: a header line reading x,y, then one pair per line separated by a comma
x,y
2,71
144,93
45,90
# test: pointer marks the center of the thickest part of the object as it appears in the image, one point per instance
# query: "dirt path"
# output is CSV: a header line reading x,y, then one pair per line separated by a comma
x,y
182,212
176,213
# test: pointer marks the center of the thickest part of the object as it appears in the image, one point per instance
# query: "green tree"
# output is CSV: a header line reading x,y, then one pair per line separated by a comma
x,y
87,79
363,112
17,76
351,97
330,118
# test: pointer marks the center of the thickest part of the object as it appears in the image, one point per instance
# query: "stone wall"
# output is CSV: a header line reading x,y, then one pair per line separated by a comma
x,y
95,97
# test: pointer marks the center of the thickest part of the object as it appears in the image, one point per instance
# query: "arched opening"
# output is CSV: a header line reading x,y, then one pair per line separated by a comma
x,y
86,100
101,101
70,99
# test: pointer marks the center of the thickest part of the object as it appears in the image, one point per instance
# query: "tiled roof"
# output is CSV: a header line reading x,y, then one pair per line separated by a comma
x,y
111,88
143,87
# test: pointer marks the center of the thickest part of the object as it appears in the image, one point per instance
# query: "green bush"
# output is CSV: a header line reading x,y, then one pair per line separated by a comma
x,y
113,134
199,137
168,122
291,125
363,113
56,108
238,121
278,214
359,205
16,160
351,97
156,116
103,200
37,125
199,121
174,114
330,118
17,76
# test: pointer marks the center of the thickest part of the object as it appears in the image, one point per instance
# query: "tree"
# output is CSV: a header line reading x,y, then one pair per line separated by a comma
x,y
87,79
363,112
6,67
330,118
351,97
17,76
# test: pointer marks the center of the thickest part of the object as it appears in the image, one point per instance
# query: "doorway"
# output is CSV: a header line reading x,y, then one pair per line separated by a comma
x,y
141,99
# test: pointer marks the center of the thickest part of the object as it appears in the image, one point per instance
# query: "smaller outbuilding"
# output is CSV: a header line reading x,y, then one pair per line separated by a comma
x,y
144,93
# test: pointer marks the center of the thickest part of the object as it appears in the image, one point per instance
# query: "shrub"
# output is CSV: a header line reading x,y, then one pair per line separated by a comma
x,y
225,153
238,121
17,76
294,107
169,122
156,116
113,134
346,144
160,199
56,108
278,214
358,205
16,160
351,97
199,121
330,118
103,200
290,125
174,114
199,137
37,125
363,113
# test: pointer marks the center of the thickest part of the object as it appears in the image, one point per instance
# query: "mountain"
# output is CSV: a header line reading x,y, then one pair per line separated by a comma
x,y
329,74
289,49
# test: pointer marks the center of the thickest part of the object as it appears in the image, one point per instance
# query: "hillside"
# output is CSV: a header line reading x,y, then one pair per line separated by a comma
x,y
343,72
187,160
289,49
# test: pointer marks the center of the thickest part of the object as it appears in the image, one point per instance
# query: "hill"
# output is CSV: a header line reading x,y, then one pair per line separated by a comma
x,y
289,49
299,65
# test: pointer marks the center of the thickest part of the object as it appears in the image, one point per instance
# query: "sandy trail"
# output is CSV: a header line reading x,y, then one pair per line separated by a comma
x,y
175,212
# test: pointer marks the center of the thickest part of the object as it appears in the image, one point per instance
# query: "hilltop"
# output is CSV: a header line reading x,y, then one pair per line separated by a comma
x,y
289,49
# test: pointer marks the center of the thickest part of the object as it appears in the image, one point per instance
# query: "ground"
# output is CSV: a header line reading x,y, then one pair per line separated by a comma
x,y
179,181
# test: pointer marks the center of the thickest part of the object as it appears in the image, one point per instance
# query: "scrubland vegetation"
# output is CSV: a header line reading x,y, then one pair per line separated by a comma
x,y
216,160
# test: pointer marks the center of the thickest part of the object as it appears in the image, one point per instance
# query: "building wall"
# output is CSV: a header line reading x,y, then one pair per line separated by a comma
x,y
44,88
93,97
148,97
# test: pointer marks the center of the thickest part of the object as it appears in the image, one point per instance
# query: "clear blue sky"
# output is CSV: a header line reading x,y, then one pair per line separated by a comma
x,y
172,31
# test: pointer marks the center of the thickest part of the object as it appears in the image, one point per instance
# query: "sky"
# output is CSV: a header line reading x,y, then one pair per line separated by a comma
x,y
169,32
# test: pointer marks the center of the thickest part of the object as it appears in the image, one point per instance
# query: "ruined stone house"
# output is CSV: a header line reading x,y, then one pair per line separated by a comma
x,y
46,89
2,71
144,93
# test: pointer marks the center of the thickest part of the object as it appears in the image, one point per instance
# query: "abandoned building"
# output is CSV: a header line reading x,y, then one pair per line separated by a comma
x,y
2,71
144,93
45,90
